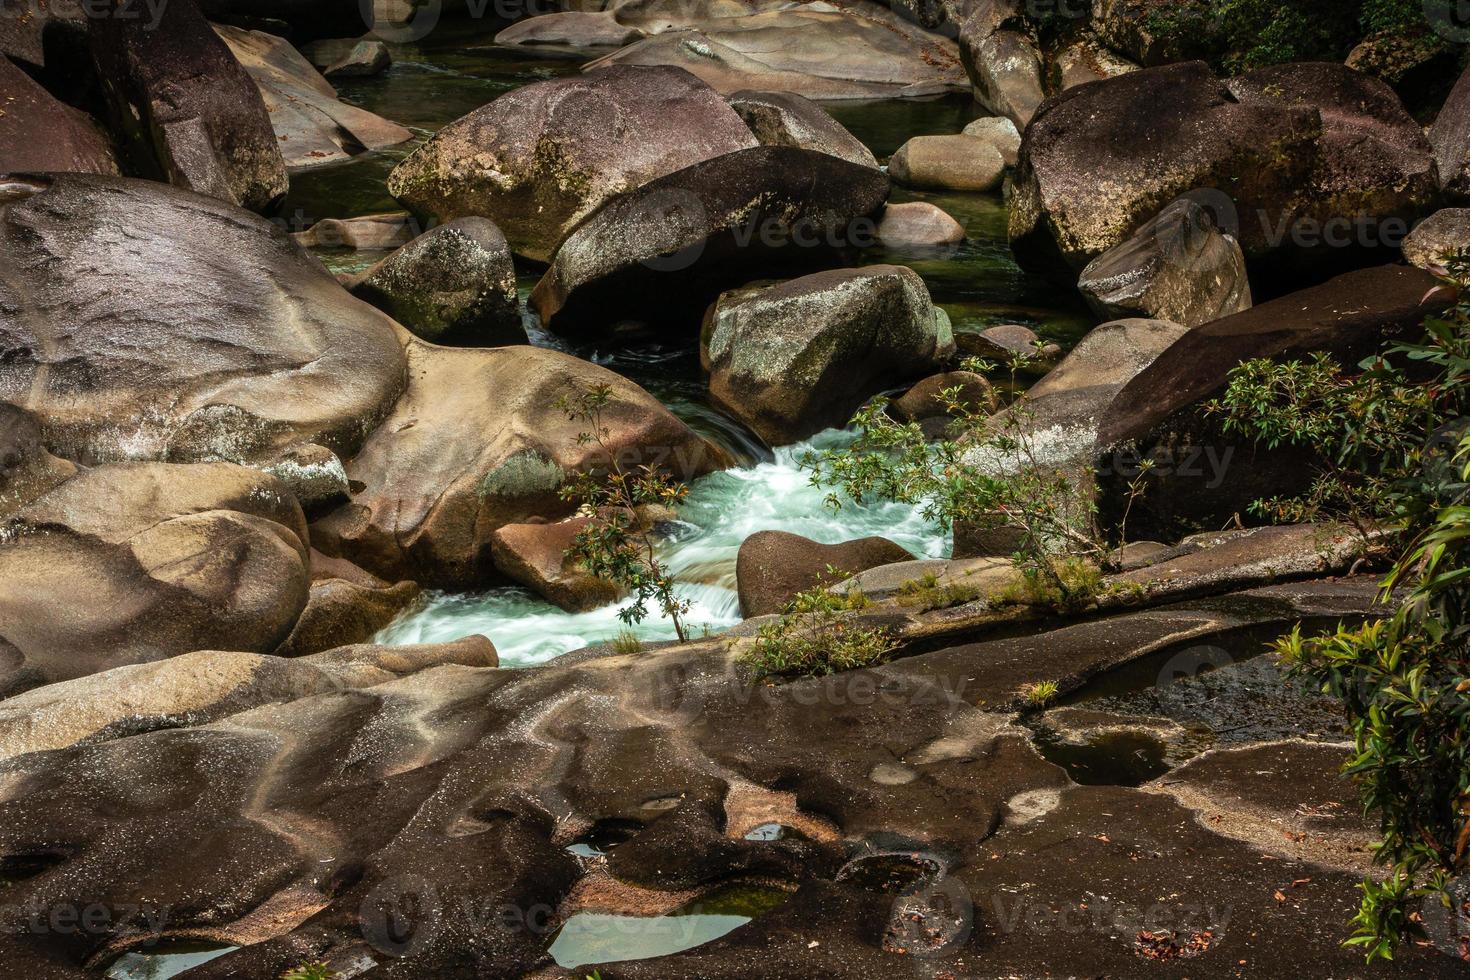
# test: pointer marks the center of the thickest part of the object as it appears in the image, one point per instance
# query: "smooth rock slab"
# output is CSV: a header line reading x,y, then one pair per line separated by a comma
x,y
773,566
918,223
788,119
954,163
663,253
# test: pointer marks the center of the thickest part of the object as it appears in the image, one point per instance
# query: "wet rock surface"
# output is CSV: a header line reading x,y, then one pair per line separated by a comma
x,y
773,566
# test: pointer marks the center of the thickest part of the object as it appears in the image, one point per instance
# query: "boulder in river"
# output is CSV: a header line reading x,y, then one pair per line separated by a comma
x,y
349,57
918,223
1201,477
346,605
156,323
926,400
538,160
793,359
953,163
40,133
455,283
134,562
479,441
1000,133
788,119
183,107
773,566
573,28
1298,155
535,555
1437,237
1178,266
312,125
1450,137
1002,61
662,253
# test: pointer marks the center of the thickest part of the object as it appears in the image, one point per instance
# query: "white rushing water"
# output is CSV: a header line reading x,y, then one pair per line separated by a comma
x,y
723,510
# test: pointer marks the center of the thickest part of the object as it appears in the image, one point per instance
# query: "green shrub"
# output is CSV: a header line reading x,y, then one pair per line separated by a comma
x,y
813,638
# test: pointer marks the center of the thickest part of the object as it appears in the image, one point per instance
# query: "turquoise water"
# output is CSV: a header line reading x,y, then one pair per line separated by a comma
x,y
454,71
165,959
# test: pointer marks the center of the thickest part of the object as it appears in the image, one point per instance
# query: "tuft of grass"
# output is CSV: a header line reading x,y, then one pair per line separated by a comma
x,y
309,971
812,639
627,642
926,593
1040,694
1081,581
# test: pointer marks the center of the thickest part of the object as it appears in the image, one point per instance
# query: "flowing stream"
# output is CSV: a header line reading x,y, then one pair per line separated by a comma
x,y
455,71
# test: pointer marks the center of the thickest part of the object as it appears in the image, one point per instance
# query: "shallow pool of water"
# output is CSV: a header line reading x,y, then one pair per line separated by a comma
x,y
595,937
165,959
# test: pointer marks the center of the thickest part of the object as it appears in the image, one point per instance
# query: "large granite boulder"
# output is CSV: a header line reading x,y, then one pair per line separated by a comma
x,y
135,562
185,109
1294,151
312,125
40,133
346,605
1202,476
859,51
455,282
793,359
1450,137
154,323
773,566
479,441
788,119
1178,266
1002,61
538,160
918,224
662,253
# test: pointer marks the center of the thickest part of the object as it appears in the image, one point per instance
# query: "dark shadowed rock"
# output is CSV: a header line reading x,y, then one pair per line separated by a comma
x,y
185,109
455,282
349,57
664,252
1001,59
1178,266
31,31
309,20
346,605
1202,476
1437,237
535,555
477,442
540,159
135,562
1293,155
159,324
312,125
40,133
955,163
574,28
793,359
788,119
918,223
1129,27
773,566
1450,137
27,468
1005,342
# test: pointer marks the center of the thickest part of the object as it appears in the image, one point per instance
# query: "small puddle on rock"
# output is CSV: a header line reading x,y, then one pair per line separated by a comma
x,y
601,839
596,937
165,959
1108,758
889,873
